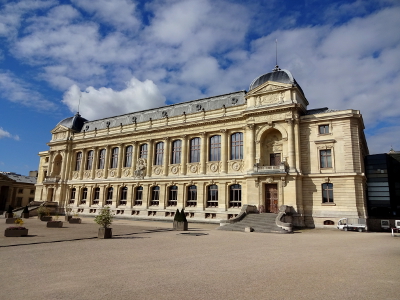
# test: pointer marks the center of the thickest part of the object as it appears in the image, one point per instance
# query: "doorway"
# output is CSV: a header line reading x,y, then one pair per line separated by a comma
x,y
271,198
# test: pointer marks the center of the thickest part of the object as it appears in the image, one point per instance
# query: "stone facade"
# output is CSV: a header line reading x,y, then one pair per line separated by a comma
x,y
16,190
212,156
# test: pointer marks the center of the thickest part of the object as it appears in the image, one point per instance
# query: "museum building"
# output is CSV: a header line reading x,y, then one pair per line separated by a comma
x,y
211,156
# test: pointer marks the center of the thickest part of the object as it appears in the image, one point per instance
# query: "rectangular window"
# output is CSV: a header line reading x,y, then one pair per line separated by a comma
x,y
192,196
89,161
235,196
155,196
176,152
173,196
96,196
19,201
194,150
78,161
114,158
275,159
32,192
158,159
327,193
139,196
326,158
323,129
215,148
237,146
143,151
102,157
20,191
124,196
128,157
84,196
212,196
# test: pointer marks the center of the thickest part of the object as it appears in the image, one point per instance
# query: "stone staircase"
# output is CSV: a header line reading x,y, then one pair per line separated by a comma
x,y
265,222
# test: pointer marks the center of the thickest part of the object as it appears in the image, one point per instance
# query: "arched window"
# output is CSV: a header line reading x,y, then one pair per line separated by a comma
x,y
73,194
194,150
176,152
237,145
109,196
102,157
215,148
143,151
139,195
96,195
327,193
212,196
158,158
128,157
78,161
329,222
235,195
123,196
192,196
173,196
114,158
155,196
89,161
84,196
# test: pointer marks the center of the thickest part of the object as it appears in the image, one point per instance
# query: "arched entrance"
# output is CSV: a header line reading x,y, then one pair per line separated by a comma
x,y
57,165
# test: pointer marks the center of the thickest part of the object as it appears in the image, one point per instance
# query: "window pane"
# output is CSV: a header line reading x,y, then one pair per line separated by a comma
x,y
215,148
176,152
195,150
159,154
237,146
143,151
89,162
128,157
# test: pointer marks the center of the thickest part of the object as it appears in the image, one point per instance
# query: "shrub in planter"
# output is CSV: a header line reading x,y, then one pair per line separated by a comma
x,y
10,220
9,213
25,212
180,222
16,231
44,214
104,219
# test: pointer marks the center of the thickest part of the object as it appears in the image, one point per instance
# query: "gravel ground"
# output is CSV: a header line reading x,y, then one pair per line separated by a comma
x,y
147,260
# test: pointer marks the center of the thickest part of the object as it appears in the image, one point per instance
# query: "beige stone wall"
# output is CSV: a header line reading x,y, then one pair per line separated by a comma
x,y
272,122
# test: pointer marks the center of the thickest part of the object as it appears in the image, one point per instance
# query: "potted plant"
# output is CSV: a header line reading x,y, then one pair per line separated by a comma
x,y
44,214
25,212
180,222
55,223
9,213
16,231
75,219
104,219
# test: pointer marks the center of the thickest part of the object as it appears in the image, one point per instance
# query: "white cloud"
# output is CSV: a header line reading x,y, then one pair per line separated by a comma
x,y
6,134
381,141
19,91
105,102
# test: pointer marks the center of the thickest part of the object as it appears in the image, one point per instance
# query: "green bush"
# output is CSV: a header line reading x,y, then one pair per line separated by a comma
x,y
43,211
183,216
104,218
177,215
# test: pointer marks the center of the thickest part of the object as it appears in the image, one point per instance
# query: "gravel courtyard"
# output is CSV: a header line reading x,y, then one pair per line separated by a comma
x,y
147,260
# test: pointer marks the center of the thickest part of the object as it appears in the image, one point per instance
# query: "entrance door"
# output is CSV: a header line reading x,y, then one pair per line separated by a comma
x,y
271,198
275,159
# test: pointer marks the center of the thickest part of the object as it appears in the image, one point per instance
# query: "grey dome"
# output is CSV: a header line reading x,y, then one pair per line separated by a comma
x,y
277,75
75,123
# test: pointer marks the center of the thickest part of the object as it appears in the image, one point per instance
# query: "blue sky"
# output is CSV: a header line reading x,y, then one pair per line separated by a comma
x,y
121,56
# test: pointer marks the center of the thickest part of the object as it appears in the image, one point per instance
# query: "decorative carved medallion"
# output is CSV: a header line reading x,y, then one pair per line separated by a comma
x,y
236,166
75,175
99,173
214,167
270,180
127,173
157,171
174,170
193,169
87,174
113,173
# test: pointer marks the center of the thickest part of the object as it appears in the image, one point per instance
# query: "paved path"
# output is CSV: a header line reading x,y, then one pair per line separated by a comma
x,y
146,260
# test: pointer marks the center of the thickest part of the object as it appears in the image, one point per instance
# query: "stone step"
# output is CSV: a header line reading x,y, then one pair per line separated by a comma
x,y
264,223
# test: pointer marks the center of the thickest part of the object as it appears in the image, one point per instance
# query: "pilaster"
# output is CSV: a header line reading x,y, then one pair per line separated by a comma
x,y
203,152
184,154
121,157
224,151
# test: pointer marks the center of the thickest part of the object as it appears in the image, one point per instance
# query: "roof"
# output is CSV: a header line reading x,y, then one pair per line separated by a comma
x,y
20,178
277,75
173,110
322,110
75,123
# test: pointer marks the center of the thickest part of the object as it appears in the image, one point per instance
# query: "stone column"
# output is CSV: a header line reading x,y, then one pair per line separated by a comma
x,y
249,148
107,161
184,155
291,154
203,152
163,195
181,195
121,157
149,157
297,144
224,151
64,163
201,195
50,168
95,161
145,195
222,190
134,158
166,156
